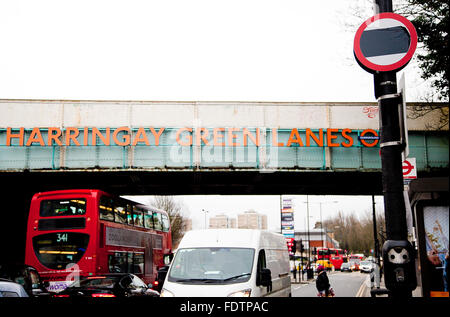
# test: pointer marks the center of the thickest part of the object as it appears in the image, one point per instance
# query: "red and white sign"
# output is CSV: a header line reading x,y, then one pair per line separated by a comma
x,y
385,42
409,168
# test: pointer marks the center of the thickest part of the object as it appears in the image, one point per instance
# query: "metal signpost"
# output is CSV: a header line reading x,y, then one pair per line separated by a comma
x,y
287,227
383,45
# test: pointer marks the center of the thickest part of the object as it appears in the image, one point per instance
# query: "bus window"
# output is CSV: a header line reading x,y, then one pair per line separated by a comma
x,y
66,207
165,223
120,212
138,263
117,262
130,262
157,220
138,218
126,262
148,219
130,214
106,209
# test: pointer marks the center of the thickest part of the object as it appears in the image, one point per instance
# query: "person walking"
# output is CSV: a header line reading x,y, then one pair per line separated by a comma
x,y
322,283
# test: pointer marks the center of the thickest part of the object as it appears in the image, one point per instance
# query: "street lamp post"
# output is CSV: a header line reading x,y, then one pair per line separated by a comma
x,y
307,225
324,243
321,227
307,221
308,232
205,211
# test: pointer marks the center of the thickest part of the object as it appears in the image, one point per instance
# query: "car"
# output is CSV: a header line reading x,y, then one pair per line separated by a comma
x,y
109,285
354,265
25,275
11,289
366,267
345,267
370,258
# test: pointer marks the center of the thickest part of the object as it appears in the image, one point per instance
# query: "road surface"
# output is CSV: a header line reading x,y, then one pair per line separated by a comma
x,y
344,284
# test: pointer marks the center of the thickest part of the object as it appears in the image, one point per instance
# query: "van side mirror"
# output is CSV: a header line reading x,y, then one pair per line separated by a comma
x,y
168,258
265,278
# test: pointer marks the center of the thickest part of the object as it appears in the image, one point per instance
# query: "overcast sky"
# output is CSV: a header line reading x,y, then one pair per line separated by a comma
x,y
204,50
194,206
210,50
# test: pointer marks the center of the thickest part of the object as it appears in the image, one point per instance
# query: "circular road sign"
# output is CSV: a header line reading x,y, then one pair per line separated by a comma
x,y
385,42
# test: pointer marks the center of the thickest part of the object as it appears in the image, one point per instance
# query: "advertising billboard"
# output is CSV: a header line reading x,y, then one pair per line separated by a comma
x,y
433,236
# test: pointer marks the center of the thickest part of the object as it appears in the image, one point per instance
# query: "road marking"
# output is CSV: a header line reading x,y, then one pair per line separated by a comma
x,y
362,289
368,281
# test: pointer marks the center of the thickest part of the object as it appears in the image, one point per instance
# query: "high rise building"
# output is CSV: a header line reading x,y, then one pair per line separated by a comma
x,y
221,221
252,220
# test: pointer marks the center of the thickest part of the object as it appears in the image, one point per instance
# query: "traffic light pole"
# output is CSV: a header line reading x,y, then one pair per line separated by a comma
x,y
391,149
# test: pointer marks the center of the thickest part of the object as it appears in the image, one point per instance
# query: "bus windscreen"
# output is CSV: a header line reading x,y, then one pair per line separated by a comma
x,y
60,250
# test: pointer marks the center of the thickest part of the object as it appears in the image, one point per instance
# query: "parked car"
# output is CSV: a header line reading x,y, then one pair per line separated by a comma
x,y
11,289
345,267
366,266
109,285
25,275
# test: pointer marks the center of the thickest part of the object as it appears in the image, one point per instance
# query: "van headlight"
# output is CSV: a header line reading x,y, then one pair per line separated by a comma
x,y
241,293
166,293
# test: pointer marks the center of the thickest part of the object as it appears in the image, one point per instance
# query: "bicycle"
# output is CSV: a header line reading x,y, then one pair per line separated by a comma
x,y
323,293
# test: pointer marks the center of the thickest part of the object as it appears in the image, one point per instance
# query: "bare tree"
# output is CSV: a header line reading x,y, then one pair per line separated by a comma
x,y
354,233
173,209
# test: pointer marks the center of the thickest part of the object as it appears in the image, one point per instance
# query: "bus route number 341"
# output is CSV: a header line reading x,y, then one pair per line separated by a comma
x,y
62,237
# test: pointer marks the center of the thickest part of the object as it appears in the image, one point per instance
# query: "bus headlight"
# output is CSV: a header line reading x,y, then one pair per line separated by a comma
x,y
241,293
166,293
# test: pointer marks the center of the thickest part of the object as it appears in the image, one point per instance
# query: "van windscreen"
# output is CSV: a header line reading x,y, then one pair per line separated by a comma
x,y
212,265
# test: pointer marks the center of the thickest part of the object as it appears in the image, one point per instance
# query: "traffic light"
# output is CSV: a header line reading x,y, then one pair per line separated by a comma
x,y
302,247
290,243
294,246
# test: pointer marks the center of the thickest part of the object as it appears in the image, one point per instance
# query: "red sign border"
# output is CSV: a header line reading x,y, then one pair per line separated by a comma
x,y
384,68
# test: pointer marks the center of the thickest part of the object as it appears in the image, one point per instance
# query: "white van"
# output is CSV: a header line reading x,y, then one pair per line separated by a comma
x,y
229,263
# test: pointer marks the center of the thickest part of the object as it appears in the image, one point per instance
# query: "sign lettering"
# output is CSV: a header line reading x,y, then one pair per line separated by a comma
x,y
150,136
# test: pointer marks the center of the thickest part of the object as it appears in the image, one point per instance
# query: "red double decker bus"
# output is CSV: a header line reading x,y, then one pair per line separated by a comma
x,y
323,253
334,255
336,252
74,233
